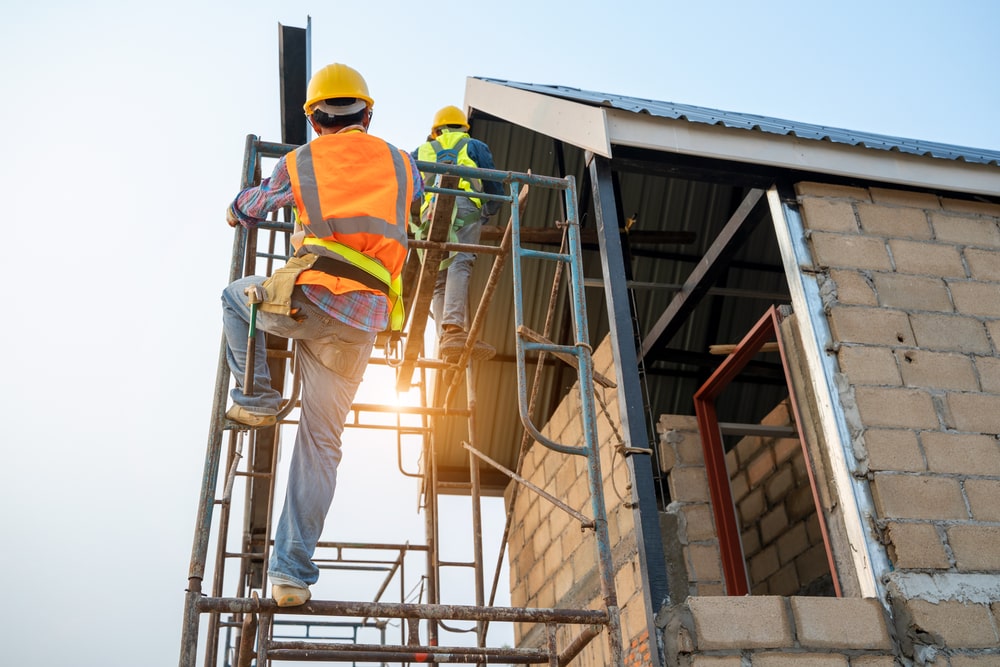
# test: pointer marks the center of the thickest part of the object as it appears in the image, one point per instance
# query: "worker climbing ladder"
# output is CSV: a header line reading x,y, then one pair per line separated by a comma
x,y
228,618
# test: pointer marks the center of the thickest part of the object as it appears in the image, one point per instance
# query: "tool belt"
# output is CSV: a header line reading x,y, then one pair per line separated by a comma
x,y
281,283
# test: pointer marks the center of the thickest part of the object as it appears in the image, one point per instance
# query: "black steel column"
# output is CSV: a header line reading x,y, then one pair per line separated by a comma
x,y
630,402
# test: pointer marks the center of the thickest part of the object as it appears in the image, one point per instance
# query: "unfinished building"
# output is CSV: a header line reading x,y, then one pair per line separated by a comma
x,y
744,408
823,490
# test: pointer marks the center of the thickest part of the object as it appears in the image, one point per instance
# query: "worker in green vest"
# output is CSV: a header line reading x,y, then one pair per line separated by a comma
x,y
449,143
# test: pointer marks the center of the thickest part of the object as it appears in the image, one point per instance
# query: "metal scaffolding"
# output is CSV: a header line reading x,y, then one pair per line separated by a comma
x,y
228,620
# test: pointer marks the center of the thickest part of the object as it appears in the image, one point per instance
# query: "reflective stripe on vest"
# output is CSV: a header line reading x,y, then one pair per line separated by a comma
x,y
352,192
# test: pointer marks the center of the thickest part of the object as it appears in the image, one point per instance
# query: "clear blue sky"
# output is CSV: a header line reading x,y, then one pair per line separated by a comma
x,y
123,126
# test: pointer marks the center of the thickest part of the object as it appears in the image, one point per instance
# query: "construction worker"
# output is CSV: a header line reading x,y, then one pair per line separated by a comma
x,y
353,194
449,142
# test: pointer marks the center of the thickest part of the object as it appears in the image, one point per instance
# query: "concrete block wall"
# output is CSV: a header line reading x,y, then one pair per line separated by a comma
x,y
553,562
911,288
681,459
782,540
912,294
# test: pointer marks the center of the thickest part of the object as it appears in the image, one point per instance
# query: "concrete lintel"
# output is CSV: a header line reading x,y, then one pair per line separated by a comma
x,y
942,586
576,124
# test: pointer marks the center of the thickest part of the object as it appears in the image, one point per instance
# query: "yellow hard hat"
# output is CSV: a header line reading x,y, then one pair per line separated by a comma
x,y
450,115
335,81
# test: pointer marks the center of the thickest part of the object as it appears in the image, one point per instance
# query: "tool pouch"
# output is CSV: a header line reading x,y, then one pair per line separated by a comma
x,y
282,282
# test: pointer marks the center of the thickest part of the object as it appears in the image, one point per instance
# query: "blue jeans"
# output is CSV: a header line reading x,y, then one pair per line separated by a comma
x,y
331,358
449,304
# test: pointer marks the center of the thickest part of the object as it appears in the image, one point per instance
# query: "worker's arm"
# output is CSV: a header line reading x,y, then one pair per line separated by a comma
x,y
418,180
256,202
481,155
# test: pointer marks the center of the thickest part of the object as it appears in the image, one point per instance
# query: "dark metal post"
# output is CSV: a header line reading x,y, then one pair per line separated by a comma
x,y
650,545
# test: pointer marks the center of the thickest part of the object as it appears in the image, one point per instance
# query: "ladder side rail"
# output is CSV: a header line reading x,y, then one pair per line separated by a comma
x,y
213,450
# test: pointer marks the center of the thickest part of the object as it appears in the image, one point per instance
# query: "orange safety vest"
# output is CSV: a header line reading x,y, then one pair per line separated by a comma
x,y
352,189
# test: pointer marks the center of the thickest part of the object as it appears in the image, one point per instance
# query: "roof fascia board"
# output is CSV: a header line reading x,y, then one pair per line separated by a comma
x,y
577,124
789,152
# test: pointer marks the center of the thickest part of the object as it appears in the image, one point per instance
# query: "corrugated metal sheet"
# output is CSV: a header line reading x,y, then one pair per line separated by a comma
x,y
731,119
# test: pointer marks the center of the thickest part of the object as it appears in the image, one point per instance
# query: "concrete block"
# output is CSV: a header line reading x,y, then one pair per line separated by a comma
x,y
739,486
974,413
980,299
983,264
912,293
779,485
812,564
894,221
916,546
799,660
984,499
874,661
688,484
940,370
969,206
750,539
772,524
894,449
874,326
966,230
829,215
698,521
752,507
896,408
764,564
982,660
976,548
866,364
958,625
779,416
892,197
785,581
689,451
908,496
716,661
800,503
746,449
705,562
786,448
840,623
793,542
849,251
993,329
962,453
760,468
808,189
957,333
740,622
928,259
853,287
988,370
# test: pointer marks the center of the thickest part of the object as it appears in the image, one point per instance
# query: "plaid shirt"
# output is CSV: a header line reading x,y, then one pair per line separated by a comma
x,y
363,310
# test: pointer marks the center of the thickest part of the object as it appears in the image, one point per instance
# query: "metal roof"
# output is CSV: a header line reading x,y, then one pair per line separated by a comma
x,y
765,124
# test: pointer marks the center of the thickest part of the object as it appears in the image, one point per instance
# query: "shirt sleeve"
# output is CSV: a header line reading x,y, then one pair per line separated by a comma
x,y
481,155
254,203
418,180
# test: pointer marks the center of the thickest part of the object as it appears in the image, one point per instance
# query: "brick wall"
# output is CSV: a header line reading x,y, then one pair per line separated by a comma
x,y
911,288
553,562
913,301
782,540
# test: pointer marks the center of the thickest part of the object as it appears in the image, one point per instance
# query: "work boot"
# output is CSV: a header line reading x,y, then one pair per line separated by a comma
x,y
290,596
242,415
452,343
